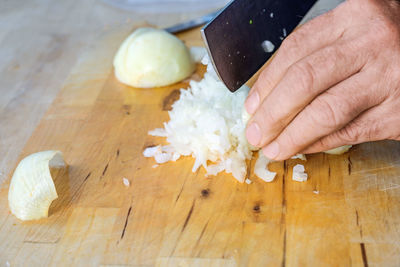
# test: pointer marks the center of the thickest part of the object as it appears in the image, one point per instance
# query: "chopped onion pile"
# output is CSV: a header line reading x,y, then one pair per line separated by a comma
x,y
206,123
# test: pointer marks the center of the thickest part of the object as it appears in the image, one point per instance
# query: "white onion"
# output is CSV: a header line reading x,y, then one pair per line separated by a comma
x,y
32,189
339,150
299,156
299,174
197,53
206,123
162,157
152,58
126,182
161,154
261,168
298,168
158,132
268,46
151,151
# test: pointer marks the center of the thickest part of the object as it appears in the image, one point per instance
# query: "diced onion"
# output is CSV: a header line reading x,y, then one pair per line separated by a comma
x,y
299,174
206,123
126,182
300,156
261,168
268,46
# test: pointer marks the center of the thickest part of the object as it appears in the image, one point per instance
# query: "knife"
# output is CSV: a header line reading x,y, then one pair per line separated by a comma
x,y
192,23
246,33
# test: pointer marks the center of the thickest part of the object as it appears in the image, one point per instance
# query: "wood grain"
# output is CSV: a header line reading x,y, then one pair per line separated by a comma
x,y
346,214
41,41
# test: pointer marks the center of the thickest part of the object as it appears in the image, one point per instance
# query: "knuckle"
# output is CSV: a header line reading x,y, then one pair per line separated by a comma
x,y
269,118
369,132
324,142
304,75
291,140
359,131
264,84
323,114
293,42
327,142
350,134
331,54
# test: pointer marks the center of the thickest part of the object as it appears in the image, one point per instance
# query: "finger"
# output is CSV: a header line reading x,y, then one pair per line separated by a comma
x,y
310,37
326,114
301,84
371,125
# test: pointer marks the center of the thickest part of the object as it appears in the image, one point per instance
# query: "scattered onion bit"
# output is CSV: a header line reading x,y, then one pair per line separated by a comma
x,y
299,174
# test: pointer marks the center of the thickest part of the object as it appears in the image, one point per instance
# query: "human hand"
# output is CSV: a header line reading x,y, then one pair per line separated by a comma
x,y
334,81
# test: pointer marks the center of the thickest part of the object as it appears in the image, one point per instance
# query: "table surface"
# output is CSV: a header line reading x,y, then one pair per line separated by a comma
x,y
40,41
56,82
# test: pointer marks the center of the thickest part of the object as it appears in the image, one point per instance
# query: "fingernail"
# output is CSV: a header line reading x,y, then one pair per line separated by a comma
x,y
253,134
272,150
252,102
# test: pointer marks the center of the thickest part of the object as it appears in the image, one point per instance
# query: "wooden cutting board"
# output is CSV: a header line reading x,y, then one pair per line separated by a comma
x,y
347,213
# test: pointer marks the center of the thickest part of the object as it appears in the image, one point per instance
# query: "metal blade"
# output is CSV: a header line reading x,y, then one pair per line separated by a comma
x,y
239,39
191,23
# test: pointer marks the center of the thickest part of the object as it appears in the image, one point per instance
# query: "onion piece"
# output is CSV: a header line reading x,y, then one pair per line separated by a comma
x,y
197,53
162,157
150,152
299,174
158,132
339,150
300,156
126,182
152,58
261,168
32,188
268,46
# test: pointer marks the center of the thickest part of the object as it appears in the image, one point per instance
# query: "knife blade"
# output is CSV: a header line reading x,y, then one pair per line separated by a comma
x,y
246,33
187,25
